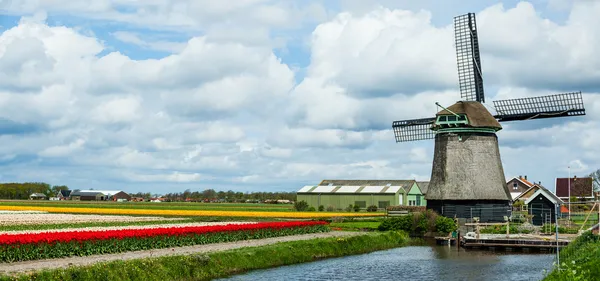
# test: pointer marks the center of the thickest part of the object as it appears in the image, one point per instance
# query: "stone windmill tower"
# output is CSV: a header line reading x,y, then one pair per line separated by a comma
x,y
467,177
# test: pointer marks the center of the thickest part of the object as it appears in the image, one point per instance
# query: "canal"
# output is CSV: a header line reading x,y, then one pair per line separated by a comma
x,y
425,262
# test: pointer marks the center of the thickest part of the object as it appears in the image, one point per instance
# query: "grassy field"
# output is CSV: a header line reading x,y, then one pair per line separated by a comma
x,y
355,225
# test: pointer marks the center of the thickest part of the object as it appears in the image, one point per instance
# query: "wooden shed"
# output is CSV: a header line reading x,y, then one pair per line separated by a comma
x,y
542,205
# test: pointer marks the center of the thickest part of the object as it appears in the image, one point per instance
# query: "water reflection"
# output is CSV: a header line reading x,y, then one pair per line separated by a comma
x,y
415,263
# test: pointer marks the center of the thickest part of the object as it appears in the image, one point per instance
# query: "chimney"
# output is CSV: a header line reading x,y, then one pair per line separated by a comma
x,y
520,177
525,177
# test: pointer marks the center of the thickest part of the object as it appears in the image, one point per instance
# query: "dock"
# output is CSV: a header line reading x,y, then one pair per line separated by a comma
x,y
513,243
445,240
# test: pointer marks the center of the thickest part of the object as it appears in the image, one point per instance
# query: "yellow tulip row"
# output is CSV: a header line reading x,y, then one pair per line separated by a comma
x,y
200,213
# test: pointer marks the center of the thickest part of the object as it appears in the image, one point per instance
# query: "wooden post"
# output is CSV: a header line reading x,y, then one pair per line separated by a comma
x,y
507,229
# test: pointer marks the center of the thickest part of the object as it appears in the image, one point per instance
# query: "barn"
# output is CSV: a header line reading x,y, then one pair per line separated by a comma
x,y
339,194
112,195
87,196
542,205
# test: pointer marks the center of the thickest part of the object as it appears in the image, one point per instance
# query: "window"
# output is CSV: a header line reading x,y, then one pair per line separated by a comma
x,y
515,186
362,204
462,117
412,202
452,118
383,204
443,118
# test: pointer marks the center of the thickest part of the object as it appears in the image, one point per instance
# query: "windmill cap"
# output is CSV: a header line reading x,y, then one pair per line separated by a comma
x,y
476,113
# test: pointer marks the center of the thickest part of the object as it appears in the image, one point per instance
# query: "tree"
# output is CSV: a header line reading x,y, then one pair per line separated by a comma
x,y
57,188
596,179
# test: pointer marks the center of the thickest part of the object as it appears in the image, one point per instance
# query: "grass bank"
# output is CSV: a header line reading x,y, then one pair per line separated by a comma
x,y
579,261
227,263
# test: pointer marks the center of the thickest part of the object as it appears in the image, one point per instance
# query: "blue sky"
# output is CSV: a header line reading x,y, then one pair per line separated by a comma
x,y
273,95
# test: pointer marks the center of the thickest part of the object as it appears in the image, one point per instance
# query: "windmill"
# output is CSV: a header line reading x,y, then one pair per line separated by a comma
x,y
467,177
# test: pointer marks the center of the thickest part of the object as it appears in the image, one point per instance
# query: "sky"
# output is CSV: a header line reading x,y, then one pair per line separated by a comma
x,y
257,95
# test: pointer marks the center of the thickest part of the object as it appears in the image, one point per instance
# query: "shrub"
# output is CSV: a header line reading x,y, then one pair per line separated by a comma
x,y
372,208
356,208
301,206
321,208
349,208
407,208
330,209
311,209
445,225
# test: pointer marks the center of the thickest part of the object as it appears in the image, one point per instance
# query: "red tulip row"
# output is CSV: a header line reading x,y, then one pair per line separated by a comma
x,y
53,237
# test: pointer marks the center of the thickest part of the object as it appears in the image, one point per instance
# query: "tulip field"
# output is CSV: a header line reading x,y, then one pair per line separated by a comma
x,y
33,245
31,230
177,209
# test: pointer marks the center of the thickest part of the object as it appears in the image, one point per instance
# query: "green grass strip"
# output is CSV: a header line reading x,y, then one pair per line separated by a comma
x,y
227,263
579,261
87,224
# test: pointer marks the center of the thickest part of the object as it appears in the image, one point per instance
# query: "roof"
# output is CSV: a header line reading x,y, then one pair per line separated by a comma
x,y
105,192
524,181
86,193
351,189
477,114
402,183
535,186
423,186
37,195
65,193
580,187
549,195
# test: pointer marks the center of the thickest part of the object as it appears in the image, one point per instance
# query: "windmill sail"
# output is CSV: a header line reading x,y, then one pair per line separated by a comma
x,y
413,130
560,105
470,77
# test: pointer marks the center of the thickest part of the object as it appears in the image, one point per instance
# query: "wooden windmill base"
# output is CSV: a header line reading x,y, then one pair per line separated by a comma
x,y
486,210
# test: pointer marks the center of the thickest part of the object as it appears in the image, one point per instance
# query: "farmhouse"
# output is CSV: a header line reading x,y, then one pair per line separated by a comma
x,y
87,196
63,194
529,192
339,194
581,188
518,185
542,205
38,196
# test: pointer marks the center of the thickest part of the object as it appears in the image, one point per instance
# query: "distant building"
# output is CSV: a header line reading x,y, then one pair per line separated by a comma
x,y
38,196
112,195
581,188
87,196
542,205
339,194
529,192
63,194
518,185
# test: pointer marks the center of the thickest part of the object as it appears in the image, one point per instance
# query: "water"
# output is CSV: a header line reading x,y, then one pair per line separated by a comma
x,y
415,263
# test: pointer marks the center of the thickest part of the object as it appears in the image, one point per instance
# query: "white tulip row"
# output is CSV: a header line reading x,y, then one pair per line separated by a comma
x,y
49,218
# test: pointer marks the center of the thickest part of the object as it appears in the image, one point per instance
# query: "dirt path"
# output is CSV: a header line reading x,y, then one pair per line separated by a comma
x,y
28,266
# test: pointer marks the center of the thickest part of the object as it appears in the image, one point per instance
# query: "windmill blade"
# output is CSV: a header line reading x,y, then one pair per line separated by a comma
x,y
560,105
413,130
470,78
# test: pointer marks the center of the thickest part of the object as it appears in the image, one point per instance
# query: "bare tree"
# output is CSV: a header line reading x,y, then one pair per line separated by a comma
x,y
596,179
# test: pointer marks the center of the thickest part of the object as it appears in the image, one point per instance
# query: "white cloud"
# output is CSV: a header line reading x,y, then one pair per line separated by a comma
x,y
224,109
